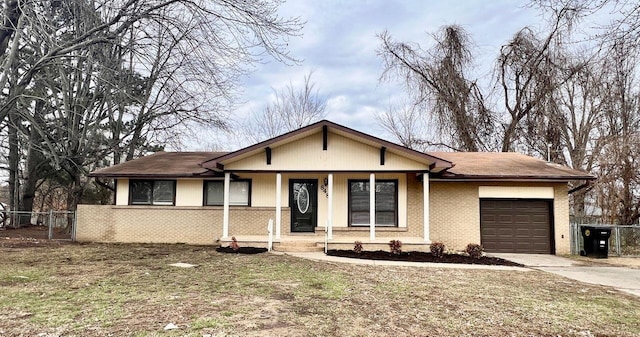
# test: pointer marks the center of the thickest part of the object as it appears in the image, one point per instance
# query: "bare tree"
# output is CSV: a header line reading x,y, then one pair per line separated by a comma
x,y
437,77
527,75
291,109
411,127
622,18
618,165
529,71
116,77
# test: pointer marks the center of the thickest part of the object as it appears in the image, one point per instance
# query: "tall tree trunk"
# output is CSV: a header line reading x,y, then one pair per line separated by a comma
x,y
14,167
34,162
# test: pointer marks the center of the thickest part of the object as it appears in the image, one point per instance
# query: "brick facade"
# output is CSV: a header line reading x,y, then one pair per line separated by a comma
x,y
454,214
454,219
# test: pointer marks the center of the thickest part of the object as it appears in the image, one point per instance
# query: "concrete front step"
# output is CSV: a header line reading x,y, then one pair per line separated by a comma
x,y
298,246
297,249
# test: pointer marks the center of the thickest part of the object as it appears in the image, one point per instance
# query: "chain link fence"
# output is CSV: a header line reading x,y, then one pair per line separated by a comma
x,y
624,240
52,225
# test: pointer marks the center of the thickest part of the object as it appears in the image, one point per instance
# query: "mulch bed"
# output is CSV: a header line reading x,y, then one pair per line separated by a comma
x,y
422,257
241,250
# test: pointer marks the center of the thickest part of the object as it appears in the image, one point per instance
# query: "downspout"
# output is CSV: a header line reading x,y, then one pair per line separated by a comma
x,y
581,187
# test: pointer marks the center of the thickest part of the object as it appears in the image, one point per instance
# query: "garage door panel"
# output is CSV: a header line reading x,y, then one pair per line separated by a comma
x,y
539,233
520,226
505,218
522,233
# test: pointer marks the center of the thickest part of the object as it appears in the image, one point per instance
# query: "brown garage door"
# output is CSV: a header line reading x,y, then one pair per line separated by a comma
x,y
516,226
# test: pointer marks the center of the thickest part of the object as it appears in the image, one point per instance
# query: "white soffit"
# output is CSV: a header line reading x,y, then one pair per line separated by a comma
x,y
520,192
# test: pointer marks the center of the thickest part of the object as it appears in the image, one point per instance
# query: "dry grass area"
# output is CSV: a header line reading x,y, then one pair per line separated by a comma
x,y
130,290
631,262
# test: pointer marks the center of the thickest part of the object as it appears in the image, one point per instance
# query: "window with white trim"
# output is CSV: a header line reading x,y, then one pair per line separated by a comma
x,y
152,192
239,193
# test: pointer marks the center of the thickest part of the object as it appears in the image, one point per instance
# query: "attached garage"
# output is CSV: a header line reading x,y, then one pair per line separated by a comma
x,y
517,226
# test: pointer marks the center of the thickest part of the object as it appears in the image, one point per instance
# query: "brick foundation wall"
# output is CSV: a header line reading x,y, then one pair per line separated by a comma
x,y
160,224
254,220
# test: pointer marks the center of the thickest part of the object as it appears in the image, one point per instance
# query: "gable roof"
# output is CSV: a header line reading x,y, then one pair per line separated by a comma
x,y
504,166
217,163
487,166
161,164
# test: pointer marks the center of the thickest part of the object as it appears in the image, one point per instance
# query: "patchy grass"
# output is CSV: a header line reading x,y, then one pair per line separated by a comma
x,y
130,290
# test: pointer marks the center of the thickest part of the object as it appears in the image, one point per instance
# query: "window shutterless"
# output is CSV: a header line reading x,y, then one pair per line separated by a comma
x,y
152,192
386,203
239,193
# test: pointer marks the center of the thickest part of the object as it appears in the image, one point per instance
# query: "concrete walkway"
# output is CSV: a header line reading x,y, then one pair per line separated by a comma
x,y
538,260
624,279
621,278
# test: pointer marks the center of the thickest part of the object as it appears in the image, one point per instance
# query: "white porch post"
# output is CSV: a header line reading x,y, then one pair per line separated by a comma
x,y
372,206
225,211
278,204
425,206
330,206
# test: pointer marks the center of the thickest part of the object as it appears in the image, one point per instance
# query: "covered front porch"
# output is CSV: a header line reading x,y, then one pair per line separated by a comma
x,y
314,209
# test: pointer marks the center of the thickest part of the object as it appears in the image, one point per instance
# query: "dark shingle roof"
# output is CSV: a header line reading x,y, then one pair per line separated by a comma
x,y
161,164
505,165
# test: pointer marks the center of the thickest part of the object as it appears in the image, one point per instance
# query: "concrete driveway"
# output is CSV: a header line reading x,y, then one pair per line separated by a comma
x,y
622,278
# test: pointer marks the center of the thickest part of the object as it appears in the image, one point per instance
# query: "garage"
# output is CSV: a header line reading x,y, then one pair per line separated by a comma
x,y
516,226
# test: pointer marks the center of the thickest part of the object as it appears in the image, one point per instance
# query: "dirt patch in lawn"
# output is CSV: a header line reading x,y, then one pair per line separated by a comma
x,y
422,257
22,242
33,232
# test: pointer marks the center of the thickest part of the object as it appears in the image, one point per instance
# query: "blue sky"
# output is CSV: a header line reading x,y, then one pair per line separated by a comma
x,y
339,43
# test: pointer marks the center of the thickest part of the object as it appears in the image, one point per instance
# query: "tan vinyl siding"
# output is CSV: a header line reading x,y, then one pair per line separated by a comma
x,y
189,192
122,192
520,192
342,154
263,189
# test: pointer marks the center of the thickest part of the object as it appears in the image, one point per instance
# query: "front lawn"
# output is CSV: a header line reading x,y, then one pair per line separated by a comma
x,y
131,290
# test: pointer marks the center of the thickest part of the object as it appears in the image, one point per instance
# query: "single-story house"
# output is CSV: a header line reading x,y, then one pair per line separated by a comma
x,y
329,182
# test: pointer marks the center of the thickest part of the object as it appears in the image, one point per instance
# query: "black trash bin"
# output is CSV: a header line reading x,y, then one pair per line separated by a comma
x,y
596,241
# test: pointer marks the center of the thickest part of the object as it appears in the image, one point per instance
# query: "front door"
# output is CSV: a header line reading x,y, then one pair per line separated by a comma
x,y
303,200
